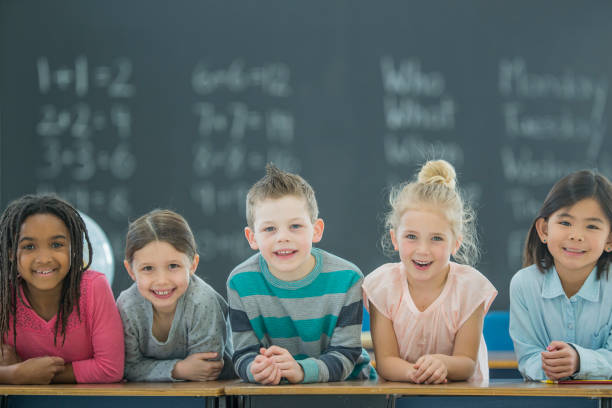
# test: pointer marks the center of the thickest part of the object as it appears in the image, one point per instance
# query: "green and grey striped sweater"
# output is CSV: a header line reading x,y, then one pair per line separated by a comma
x,y
317,318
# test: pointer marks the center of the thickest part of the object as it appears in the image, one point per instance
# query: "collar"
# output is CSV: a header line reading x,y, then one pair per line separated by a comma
x,y
552,288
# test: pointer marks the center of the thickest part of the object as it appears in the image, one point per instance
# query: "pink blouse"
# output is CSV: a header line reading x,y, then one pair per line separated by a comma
x,y
432,331
94,344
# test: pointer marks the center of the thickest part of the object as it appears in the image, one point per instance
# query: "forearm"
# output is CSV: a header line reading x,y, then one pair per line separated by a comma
x,y
151,370
459,368
594,363
394,368
7,374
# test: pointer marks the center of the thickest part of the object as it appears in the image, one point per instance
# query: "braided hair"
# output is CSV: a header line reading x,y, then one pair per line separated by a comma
x,y
10,226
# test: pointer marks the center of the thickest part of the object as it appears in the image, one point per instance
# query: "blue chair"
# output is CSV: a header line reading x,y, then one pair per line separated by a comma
x,y
365,324
496,331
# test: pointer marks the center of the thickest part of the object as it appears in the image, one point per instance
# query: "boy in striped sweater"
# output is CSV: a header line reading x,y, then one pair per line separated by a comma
x,y
295,310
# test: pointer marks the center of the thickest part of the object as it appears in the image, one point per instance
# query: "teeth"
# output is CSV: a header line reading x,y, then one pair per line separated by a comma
x,y
162,292
45,272
284,252
576,251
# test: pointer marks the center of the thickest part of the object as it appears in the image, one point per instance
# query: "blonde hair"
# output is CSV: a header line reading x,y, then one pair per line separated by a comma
x,y
435,188
277,184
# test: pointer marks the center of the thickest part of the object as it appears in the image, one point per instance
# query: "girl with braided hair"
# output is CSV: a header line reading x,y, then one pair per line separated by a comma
x,y
58,320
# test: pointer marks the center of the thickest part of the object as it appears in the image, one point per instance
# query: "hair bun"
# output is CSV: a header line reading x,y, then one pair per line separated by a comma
x,y
438,172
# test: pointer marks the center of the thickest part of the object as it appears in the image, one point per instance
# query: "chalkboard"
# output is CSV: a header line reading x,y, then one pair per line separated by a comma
x,y
125,106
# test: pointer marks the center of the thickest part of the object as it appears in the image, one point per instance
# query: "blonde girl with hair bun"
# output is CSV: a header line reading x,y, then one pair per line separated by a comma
x,y
426,310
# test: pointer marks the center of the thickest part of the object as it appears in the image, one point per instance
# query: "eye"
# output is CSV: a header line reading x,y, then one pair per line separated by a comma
x,y
296,226
174,266
437,238
147,268
565,223
411,236
268,229
27,247
57,245
591,226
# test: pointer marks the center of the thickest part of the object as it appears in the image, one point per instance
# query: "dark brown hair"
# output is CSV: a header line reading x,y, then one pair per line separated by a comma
x,y
277,184
160,225
10,226
565,193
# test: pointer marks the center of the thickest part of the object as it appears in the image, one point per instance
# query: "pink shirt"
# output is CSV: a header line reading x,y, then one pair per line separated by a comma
x,y
94,344
433,330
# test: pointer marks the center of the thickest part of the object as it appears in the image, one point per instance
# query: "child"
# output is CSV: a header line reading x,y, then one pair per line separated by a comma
x,y
295,310
565,284
427,312
175,324
58,321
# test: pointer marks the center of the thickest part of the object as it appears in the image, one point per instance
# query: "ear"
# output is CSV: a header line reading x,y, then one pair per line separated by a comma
x,y
541,225
194,264
457,245
250,236
393,239
318,228
129,270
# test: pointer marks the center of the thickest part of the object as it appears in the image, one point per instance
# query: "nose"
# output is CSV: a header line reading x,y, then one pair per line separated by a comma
x,y
282,235
43,256
576,236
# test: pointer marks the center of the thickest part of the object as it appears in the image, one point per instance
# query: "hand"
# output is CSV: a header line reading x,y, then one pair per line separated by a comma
x,y
198,367
560,360
9,356
264,370
38,370
429,369
290,369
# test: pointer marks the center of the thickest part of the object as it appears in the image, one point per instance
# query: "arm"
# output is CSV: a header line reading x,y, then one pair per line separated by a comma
x,y
595,363
38,370
389,364
338,360
106,330
461,364
246,343
527,344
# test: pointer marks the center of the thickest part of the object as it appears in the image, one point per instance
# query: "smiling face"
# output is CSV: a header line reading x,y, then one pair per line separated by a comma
x,y
425,243
161,274
43,255
576,236
284,233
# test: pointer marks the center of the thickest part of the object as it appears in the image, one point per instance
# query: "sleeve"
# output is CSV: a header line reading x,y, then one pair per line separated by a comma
x,y
382,289
527,344
246,344
209,330
337,362
106,332
473,290
596,363
137,366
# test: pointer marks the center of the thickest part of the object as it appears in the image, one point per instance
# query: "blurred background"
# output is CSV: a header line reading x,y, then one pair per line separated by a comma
x,y
121,107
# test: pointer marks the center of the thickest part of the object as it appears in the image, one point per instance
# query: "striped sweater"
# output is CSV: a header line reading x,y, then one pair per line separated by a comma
x,y
317,318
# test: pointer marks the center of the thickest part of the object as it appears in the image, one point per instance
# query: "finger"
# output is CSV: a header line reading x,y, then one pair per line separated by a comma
x,y
437,376
57,361
425,375
274,351
262,350
206,356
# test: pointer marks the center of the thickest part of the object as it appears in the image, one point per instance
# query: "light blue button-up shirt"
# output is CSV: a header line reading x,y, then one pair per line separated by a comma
x,y
540,312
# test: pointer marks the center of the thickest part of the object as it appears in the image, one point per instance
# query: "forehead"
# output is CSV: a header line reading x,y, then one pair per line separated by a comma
x,y
424,220
276,209
585,208
42,226
158,251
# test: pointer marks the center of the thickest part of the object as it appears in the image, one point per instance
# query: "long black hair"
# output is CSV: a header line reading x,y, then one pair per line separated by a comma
x,y
10,226
565,193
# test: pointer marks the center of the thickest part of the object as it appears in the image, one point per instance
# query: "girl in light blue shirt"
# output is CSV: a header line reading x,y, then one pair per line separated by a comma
x,y
561,302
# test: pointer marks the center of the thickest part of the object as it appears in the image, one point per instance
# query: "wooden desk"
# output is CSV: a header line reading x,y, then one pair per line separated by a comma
x,y
134,395
497,393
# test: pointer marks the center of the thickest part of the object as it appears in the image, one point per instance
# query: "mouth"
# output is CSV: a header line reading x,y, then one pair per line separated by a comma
x,y
162,294
422,265
44,272
284,253
573,251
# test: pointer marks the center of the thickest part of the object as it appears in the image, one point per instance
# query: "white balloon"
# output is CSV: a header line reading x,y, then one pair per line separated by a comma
x,y
103,260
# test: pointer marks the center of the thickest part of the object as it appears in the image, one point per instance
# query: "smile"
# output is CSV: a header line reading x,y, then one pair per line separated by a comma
x,y
44,272
163,293
285,252
421,265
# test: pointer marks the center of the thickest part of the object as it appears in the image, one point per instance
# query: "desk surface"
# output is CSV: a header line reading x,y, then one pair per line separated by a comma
x,y
184,389
495,388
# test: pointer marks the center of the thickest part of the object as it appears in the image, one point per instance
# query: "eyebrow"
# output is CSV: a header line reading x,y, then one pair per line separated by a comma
x,y
590,219
32,239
